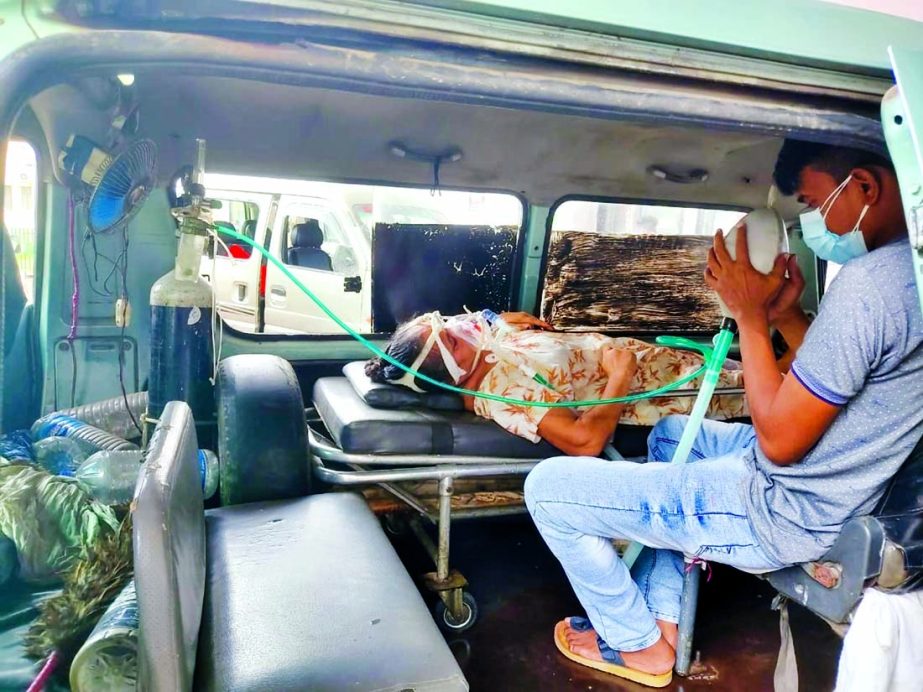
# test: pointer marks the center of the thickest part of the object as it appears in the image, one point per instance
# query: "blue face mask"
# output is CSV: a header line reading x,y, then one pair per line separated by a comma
x,y
826,244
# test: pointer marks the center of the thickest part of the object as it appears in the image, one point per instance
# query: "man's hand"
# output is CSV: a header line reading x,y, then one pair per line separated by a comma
x,y
617,361
748,293
789,297
523,320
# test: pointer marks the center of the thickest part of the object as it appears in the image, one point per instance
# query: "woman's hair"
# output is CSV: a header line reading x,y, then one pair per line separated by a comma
x,y
406,344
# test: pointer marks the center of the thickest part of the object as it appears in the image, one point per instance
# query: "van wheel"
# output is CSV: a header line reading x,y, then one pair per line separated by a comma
x,y
447,621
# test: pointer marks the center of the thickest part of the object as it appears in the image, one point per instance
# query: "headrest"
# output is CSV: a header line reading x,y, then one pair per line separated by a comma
x,y
249,228
307,234
389,396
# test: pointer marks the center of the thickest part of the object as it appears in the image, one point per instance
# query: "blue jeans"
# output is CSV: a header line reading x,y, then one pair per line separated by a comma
x,y
696,508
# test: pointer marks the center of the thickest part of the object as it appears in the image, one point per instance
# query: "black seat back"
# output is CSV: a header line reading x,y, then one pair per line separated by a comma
x,y
305,251
900,514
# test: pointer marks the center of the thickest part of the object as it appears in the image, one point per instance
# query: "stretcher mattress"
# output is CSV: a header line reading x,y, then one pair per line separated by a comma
x,y
358,428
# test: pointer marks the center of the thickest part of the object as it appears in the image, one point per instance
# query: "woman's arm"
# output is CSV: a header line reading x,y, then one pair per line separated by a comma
x,y
588,433
793,326
785,314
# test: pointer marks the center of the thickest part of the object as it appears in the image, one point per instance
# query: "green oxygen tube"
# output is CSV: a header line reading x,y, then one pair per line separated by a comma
x,y
714,361
662,340
766,239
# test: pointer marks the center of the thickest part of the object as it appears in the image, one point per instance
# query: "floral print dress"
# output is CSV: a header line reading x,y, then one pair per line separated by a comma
x,y
571,363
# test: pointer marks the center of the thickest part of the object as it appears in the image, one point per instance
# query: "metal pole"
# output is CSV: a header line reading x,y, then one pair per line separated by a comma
x,y
396,475
688,606
417,527
445,524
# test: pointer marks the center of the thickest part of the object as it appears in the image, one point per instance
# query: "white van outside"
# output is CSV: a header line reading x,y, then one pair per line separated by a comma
x,y
322,233
309,228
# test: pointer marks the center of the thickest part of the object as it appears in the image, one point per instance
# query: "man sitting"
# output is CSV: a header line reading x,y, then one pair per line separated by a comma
x,y
826,436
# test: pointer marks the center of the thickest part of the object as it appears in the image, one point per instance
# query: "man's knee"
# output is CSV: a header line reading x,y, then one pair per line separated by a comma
x,y
541,479
666,432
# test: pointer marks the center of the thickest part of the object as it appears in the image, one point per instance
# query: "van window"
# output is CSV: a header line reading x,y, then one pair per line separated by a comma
x,y
631,268
617,219
19,193
237,213
239,216
324,235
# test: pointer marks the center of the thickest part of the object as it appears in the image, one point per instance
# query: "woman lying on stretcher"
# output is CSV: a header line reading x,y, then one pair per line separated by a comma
x,y
503,355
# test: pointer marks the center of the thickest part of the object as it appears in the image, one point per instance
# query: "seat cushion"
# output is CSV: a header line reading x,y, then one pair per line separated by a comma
x,y
358,428
308,594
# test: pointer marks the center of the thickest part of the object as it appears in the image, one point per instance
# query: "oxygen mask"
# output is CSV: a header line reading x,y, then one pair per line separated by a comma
x,y
471,328
766,239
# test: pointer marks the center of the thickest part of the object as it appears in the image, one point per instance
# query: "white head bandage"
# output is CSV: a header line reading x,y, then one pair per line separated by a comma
x,y
437,326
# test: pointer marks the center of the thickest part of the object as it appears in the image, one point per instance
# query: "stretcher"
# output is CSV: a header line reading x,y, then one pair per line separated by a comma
x,y
367,434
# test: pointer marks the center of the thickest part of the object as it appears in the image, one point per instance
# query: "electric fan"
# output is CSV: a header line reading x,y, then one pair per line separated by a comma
x,y
117,185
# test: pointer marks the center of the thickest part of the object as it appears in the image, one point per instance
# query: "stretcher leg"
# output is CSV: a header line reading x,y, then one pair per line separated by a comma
x,y
688,605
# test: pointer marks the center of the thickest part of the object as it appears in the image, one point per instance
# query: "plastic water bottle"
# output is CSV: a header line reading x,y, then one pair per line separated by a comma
x,y
111,476
108,660
90,438
59,455
208,468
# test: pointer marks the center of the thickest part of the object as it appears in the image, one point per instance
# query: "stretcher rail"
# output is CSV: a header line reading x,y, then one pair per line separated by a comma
x,y
432,473
327,451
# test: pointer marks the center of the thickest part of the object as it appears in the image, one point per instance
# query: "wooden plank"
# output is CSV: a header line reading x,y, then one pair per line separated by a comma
x,y
633,284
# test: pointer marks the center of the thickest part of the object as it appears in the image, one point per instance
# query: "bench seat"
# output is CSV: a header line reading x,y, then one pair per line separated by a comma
x,y
297,594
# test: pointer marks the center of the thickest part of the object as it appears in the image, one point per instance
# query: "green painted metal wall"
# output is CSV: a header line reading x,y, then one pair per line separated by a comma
x,y
803,31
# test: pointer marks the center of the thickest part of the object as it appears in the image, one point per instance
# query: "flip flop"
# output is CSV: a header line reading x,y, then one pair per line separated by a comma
x,y
613,663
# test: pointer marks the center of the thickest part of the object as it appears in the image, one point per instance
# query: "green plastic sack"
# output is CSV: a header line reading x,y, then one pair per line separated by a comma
x,y
50,519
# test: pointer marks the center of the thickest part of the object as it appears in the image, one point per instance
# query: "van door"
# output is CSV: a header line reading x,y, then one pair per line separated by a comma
x,y
902,120
335,280
236,266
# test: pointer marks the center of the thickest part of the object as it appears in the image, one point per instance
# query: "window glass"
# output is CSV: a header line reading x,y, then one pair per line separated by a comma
x,y
236,214
606,218
19,209
239,216
394,241
631,268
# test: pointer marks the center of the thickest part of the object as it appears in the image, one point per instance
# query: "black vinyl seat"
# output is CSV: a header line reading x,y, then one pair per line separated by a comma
x,y
884,550
305,250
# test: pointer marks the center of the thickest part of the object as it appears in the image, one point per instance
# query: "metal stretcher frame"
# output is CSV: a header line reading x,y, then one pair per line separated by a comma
x,y
447,583
384,470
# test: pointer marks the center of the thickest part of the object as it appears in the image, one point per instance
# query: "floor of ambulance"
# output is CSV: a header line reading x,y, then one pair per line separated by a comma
x,y
522,592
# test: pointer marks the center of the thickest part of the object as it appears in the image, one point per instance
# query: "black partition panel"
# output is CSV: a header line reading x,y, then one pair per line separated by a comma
x,y
417,268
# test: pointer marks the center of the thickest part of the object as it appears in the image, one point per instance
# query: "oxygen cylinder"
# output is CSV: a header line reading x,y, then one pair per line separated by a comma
x,y
766,238
181,338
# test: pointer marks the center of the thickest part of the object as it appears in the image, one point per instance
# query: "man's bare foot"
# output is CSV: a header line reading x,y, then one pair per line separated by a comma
x,y
656,659
670,632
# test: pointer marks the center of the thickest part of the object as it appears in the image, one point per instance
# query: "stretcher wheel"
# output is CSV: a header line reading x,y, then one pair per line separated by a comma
x,y
262,434
395,524
447,622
